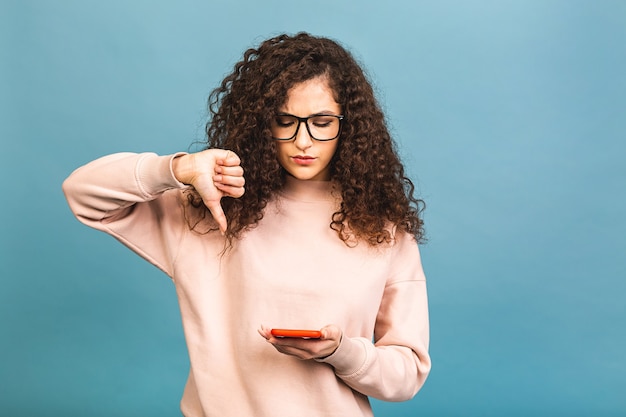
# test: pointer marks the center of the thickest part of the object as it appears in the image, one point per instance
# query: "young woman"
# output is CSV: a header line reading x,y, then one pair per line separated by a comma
x,y
298,215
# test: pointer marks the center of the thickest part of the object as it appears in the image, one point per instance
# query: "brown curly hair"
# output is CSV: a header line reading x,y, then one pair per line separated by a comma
x,y
376,194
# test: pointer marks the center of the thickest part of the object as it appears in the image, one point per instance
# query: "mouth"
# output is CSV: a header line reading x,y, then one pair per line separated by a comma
x,y
303,159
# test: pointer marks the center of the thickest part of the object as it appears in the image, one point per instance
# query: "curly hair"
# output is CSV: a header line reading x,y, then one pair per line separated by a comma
x,y
375,192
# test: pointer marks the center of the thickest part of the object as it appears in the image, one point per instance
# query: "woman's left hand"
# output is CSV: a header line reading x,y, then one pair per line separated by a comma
x,y
306,348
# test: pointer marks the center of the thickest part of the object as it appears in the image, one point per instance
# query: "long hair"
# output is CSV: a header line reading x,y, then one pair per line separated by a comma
x,y
375,192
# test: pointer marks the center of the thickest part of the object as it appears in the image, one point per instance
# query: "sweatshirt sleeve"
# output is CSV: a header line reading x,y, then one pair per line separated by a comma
x,y
396,365
132,197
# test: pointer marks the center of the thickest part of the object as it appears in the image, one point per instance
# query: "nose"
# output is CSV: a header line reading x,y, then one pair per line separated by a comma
x,y
303,139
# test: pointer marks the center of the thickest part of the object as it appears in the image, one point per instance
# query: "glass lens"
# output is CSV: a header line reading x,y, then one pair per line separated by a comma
x,y
284,127
323,127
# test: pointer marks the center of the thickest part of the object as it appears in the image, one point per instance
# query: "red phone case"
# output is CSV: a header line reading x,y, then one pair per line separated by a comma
x,y
305,334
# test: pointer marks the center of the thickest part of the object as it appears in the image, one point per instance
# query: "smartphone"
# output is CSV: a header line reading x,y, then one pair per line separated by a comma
x,y
303,334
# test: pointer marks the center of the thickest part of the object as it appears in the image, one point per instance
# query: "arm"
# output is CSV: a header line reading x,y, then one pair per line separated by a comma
x,y
127,196
107,188
396,365
133,196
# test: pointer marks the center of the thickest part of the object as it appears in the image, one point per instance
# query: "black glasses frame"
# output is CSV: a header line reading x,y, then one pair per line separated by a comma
x,y
305,120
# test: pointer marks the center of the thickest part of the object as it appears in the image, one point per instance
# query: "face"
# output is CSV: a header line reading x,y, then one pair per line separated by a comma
x,y
304,157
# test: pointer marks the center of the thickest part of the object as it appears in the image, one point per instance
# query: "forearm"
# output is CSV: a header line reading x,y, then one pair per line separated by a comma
x,y
390,373
112,183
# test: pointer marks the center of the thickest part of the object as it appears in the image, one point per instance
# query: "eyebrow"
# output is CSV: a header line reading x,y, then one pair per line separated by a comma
x,y
322,113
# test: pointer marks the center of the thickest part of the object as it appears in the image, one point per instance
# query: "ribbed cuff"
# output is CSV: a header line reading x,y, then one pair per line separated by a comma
x,y
155,175
349,357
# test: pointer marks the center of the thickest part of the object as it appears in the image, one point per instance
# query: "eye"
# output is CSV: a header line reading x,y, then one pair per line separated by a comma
x,y
284,121
323,121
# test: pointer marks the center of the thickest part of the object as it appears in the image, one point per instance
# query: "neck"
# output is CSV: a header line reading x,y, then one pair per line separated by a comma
x,y
310,190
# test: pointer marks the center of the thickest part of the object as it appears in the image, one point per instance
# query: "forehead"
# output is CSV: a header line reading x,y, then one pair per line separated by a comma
x,y
313,95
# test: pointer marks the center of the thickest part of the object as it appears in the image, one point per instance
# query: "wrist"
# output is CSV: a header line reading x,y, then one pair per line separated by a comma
x,y
181,168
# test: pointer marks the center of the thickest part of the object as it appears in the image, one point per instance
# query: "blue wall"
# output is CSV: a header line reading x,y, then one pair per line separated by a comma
x,y
510,115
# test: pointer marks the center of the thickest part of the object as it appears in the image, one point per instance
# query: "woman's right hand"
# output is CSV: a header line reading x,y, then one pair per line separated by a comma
x,y
214,173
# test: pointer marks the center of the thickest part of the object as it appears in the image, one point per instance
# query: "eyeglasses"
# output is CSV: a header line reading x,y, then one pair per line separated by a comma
x,y
321,127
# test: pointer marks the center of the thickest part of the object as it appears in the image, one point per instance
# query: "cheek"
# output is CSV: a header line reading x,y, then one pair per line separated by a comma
x,y
281,152
280,148
331,150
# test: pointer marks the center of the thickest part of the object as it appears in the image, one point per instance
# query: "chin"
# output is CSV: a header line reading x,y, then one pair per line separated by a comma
x,y
309,176
302,177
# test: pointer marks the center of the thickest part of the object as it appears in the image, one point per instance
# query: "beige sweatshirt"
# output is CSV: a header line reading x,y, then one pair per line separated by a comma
x,y
291,271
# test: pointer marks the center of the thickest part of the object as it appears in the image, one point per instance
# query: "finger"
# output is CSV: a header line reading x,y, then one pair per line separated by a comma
x,y
218,214
230,191
304,345
229,180
330,332
265,332
292,351
299,353
234,171
229,158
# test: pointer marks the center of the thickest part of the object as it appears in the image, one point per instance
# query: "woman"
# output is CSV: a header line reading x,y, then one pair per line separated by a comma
x,y
297,215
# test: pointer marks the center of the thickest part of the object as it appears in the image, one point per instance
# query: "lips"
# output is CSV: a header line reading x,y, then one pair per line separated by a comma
x,y
303,159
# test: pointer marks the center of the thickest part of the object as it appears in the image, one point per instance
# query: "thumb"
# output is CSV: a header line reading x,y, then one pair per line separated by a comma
x,y
229,158
218,214
331,332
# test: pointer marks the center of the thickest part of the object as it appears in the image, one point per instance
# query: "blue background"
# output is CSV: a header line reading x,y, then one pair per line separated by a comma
x,y
510,116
